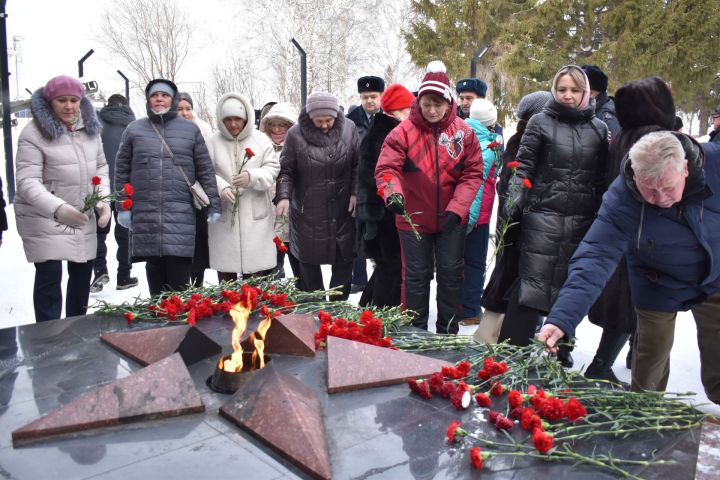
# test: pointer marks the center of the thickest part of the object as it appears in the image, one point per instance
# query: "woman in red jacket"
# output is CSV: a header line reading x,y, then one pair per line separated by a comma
x,y
430,166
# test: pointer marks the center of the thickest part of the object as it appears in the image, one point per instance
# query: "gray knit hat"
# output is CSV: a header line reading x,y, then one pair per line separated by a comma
x,y
322,104
532,103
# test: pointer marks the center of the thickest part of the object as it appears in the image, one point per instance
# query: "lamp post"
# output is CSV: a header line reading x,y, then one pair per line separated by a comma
x,y
473,62
303,72
82,60
127,85
6,122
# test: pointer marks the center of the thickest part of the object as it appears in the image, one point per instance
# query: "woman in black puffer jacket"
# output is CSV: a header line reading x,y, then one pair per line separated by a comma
x,y
562,155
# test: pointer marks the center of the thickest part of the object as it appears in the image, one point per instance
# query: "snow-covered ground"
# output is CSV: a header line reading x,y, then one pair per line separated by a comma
x,y
17,276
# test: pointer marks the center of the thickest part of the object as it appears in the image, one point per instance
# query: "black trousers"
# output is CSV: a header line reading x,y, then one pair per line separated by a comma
x,y
47,292
232,276
520,321
311,277
383,288
168,273
446,249
123,251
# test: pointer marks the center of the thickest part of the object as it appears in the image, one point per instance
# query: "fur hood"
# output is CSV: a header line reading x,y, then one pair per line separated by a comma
x,y
52,128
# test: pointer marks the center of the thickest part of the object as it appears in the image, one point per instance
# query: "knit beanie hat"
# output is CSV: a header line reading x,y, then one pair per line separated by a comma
x,y
233,107
484,111
322,104
61,86
474,85
161,86
585,100
436,81
532,103
598,79
396,97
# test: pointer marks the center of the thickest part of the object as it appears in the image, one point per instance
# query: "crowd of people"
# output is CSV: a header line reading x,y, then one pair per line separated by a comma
x,y
604,208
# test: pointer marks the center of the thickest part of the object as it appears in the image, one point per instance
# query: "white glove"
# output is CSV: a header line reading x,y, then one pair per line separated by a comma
x,y
228,195
104,213
214,217
125,218
70,216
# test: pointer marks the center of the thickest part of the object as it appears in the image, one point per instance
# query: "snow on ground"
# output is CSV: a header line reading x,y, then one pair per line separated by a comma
x,y
16,285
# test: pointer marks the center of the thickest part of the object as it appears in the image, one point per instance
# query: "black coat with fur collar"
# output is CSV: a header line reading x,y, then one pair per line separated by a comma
x,y
377,235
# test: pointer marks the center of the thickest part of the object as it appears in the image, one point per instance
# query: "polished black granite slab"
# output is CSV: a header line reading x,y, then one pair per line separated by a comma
x,y
376,433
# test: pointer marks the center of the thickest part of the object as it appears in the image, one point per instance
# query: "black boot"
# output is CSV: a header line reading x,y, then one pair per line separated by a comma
x,y
628,359
564,357
600,371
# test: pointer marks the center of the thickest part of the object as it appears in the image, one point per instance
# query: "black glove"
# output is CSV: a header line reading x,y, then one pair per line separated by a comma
x,y
450,221
396,203
515,199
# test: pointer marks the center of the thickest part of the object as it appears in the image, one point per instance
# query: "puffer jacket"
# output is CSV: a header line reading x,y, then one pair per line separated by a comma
x,y
673,254
435,167
56,166
563,153
317,174
114,119
247,246
163,215
482,206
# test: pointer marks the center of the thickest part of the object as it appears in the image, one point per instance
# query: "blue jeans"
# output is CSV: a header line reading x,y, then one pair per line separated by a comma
x,y
476,246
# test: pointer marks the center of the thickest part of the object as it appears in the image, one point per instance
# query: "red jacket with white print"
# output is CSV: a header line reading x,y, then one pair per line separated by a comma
x,y
436,167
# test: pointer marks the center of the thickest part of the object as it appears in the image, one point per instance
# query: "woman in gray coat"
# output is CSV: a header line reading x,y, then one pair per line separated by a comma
x,y
59,159
162,219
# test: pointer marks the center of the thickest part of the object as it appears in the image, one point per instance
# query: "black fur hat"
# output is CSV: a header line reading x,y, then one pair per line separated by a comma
x,y
370,84
598,79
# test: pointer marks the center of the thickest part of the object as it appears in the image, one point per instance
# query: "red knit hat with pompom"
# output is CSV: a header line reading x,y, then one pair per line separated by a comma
x,y
436,81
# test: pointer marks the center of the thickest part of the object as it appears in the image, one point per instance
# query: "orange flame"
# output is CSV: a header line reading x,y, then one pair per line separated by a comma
x,y
259,340
234,363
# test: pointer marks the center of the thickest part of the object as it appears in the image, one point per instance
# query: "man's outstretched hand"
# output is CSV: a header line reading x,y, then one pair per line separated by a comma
x,y
550,335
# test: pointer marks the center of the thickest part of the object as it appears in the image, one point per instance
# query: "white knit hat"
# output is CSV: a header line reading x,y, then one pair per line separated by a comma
x,y
484,111
233,107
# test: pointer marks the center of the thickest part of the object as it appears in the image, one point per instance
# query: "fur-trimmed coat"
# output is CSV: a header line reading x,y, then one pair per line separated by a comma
x,y
317,174
55,166
247,246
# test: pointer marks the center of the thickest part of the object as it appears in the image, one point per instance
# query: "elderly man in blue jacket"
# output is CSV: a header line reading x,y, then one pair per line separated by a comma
x,y
663,213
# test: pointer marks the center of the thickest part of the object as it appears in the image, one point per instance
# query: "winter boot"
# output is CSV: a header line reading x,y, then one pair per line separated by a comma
x,y
97,284
598,370
628,359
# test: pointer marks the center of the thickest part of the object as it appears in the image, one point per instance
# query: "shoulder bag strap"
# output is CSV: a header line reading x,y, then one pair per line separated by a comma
x,y
172,155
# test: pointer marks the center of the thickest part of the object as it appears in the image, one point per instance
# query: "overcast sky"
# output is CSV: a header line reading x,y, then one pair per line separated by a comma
x,y
56,34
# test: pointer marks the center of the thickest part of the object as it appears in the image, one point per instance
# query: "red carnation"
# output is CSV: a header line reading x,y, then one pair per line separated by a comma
x,y
95,181
387,177
129,189
463,368
381,192
483,400
249,152
552,409
127,204
527,183
129,317
574,410
476,458
436,382
515,399
513,164
497,389
452,431
542,441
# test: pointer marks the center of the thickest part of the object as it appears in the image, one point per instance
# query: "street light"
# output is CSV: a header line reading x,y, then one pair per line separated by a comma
x,y
303,72
473,62
82,60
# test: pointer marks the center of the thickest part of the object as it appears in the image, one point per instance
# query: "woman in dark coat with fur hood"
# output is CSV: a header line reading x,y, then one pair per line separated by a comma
x,y
59,160
562,156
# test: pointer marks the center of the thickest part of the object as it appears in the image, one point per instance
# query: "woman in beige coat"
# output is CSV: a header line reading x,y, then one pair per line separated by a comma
x,y
58,155
246,168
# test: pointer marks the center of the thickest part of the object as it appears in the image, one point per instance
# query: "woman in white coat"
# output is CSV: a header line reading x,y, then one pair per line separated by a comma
x,y
246,169
59,154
